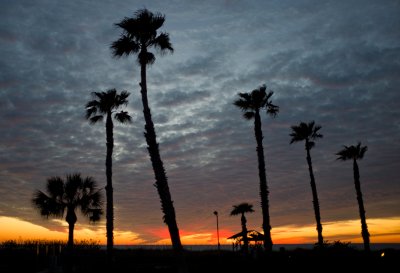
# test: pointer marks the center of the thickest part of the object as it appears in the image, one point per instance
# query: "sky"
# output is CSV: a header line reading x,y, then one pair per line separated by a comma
x,y
334,62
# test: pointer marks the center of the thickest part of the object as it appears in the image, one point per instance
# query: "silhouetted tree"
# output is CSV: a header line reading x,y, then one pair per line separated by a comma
x,y
251,104
139,34
241,209
106,104
355,153
65,197
308,132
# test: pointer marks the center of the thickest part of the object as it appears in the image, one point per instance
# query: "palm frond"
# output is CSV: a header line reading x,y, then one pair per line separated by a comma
x,y
123,98
344,154
162,43
95,215
124,46
242,104
315,130
55,187
47,205
272,109
95,119
362,151
123,117
73,188
249,115
91,112
91,201
88,185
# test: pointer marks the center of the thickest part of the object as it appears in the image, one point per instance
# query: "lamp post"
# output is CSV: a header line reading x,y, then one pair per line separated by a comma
x,y
216,214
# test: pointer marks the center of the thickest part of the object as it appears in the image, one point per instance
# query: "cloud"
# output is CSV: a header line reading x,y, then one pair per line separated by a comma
x,y
335,63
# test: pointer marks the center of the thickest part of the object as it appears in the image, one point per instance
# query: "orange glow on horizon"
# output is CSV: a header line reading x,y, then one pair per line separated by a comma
x,y
385,230
16,229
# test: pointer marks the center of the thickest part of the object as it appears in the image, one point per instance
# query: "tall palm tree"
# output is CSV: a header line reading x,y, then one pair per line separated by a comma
x,y
251,104
355,153
106,104
65,197
308,132
241,209
139,35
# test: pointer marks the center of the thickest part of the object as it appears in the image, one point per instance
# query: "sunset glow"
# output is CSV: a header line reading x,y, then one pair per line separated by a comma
x,y
382,231
163,129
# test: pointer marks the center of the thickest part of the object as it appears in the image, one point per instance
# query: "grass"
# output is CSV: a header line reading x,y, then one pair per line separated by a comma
x,y
48,256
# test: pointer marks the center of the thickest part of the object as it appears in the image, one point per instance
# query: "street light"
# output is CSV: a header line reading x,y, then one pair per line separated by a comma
x,y
216,214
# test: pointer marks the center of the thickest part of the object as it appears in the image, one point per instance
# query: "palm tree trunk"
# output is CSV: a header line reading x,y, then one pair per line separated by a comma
x,y
244,231
263,183
161,183
71,227
71,220
70,248
315,198
364,227
109,189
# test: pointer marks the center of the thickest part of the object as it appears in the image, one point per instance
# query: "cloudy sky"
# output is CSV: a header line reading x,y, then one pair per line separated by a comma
x,y
335,62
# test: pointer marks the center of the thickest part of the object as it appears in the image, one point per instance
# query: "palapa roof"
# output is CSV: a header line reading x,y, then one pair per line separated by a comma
x,y
252,235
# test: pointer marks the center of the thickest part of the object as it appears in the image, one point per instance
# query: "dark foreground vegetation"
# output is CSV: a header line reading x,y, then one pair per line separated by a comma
x,y
88,257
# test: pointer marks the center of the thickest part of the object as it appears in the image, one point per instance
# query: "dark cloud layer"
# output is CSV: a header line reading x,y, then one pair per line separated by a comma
x,y
337,63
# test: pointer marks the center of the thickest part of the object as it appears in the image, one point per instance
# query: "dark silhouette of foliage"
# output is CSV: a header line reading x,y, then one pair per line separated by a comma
x,y
357,153
139,35
308,132
63,198
106,104
241,209
251,104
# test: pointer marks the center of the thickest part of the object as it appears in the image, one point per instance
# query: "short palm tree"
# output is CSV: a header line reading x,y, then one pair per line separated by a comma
x,y
65,197
308,132
355,153
241,209
106,104
139,35
251,104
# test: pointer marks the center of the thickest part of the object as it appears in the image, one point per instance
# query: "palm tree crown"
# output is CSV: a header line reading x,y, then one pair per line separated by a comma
x,y
241,209
307,132
139,34
352,152
69,195
250,103
107,102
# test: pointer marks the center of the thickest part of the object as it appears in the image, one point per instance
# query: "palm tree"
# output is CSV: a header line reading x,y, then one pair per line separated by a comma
x,y
139,34
242,209
309,133
65,197
107,103
251,104
355,153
